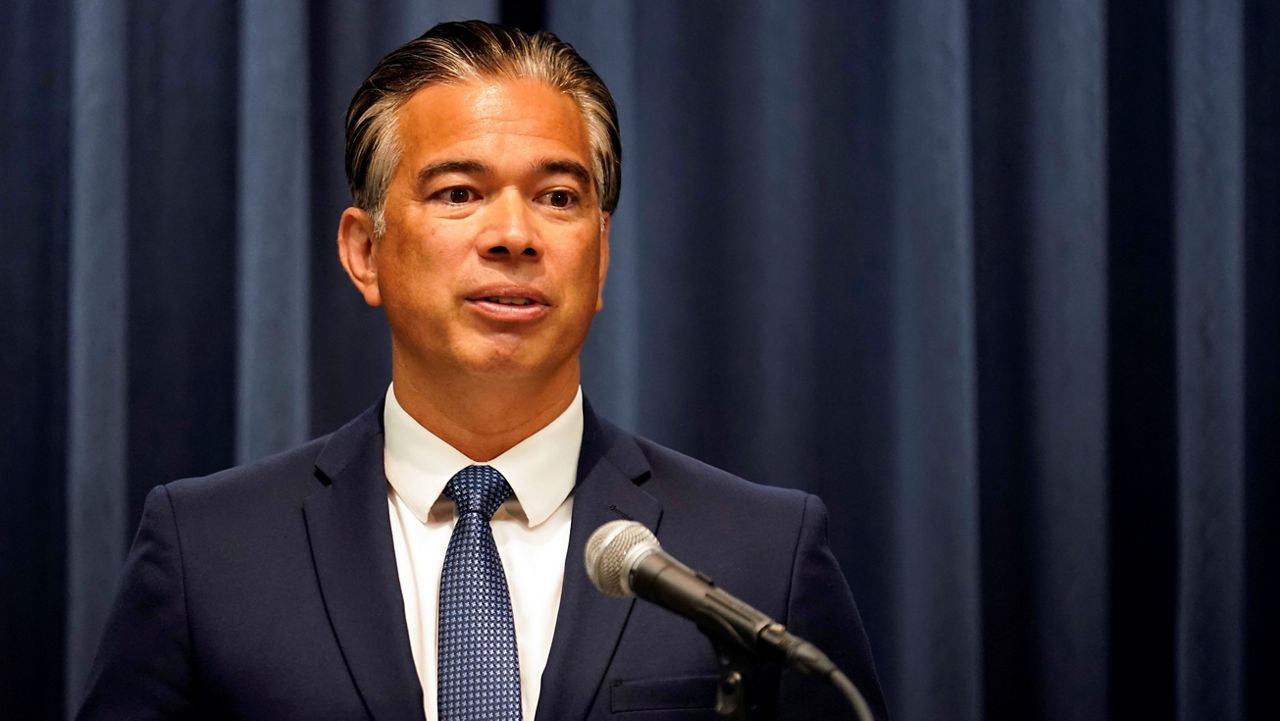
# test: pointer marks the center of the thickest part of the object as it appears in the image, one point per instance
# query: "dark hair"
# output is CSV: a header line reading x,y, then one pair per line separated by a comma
x,y
462,51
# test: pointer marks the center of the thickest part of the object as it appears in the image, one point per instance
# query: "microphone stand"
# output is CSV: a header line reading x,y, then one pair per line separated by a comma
x,y
738,641
734,701
733,629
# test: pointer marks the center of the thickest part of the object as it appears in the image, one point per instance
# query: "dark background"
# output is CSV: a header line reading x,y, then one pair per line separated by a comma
x,y
999,281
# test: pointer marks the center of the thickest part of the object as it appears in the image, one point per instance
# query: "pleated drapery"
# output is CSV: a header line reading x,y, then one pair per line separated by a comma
x,y
999,281
97,349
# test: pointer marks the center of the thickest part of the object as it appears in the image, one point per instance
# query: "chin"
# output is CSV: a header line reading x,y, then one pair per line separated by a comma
x,y
506,363
522,364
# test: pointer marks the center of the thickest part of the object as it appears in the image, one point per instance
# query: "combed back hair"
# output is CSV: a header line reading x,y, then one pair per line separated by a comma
x,y
461,52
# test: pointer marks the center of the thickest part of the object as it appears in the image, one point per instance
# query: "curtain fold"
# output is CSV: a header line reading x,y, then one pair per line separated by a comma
x,y
1262,355
98,355
1067,351
1208,120
938,630
999,281
274,234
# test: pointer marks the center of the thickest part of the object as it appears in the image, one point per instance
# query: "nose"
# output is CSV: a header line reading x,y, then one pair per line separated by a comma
x,y
510,231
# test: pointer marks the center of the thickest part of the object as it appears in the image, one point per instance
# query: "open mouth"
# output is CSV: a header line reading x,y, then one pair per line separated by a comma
x,y
507,300
510,305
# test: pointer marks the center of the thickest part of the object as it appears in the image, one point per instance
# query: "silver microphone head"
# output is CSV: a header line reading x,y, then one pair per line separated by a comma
x,y
613,550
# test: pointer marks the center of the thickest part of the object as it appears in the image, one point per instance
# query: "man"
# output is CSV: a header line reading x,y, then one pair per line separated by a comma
x,y
426,559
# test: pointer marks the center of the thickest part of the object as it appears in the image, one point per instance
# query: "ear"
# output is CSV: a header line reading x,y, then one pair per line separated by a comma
x,y
604,259
359,253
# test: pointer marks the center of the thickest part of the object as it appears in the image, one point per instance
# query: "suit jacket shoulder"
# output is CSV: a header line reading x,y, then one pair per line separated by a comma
x,y
285,477
264,591
765,545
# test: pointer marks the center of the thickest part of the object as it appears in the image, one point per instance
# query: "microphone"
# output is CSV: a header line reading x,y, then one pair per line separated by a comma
x,y
624,559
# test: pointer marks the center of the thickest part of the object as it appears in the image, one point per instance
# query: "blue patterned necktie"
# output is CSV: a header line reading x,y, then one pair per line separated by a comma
x,y
479,671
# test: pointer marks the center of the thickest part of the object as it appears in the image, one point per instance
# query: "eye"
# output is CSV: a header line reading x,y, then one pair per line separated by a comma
x,y
455,195
458,196
561,198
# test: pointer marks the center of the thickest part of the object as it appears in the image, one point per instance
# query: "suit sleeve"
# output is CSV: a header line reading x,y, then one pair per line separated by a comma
x,y
143,670
821,609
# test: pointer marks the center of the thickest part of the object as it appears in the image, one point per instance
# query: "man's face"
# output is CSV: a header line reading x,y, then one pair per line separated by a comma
x,y
495,250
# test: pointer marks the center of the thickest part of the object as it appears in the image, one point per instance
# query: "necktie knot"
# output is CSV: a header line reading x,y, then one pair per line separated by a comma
x,y
478,489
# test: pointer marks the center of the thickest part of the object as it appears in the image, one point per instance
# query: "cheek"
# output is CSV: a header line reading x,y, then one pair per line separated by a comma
x,y
587,276
419,244
412,273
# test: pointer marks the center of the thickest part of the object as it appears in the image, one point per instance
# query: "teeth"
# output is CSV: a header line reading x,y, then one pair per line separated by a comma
x,y
506,300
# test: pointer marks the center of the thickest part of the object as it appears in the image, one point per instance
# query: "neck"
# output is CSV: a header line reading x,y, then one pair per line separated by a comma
x,y
483,417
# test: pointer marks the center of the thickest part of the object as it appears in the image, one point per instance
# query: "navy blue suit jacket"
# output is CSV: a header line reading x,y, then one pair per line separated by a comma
x,y
270,592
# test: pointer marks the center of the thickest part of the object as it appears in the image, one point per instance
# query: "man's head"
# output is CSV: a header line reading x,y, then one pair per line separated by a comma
x,y
484,164
467,51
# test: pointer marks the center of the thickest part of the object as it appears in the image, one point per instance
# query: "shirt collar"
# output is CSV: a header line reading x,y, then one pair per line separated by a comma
x,y
541,469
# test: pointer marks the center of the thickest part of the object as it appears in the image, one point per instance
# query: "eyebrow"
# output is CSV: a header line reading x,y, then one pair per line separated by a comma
x,y
475,167
565,167
444,167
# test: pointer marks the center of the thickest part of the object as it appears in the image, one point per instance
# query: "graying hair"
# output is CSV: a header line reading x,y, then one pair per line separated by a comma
x,y
464,51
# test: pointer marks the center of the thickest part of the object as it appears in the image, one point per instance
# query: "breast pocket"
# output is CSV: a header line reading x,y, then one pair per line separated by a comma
x,y
684,697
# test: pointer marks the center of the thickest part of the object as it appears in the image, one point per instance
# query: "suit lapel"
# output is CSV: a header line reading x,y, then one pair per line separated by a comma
x,y
350,534
589,624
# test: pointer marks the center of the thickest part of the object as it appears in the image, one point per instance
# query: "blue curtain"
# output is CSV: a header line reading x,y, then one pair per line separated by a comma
x,y
999,281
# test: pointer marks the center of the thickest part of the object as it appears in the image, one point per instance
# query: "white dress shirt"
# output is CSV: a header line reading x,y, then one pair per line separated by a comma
x,y
531,531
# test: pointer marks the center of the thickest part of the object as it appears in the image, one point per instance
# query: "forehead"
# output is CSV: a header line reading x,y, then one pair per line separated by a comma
x,y
491,116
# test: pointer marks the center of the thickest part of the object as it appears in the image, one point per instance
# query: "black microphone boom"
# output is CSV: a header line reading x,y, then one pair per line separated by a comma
x,y
624,559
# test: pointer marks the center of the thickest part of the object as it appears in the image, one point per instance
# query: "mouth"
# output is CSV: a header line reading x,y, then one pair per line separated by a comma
x,y
509,305
506,300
